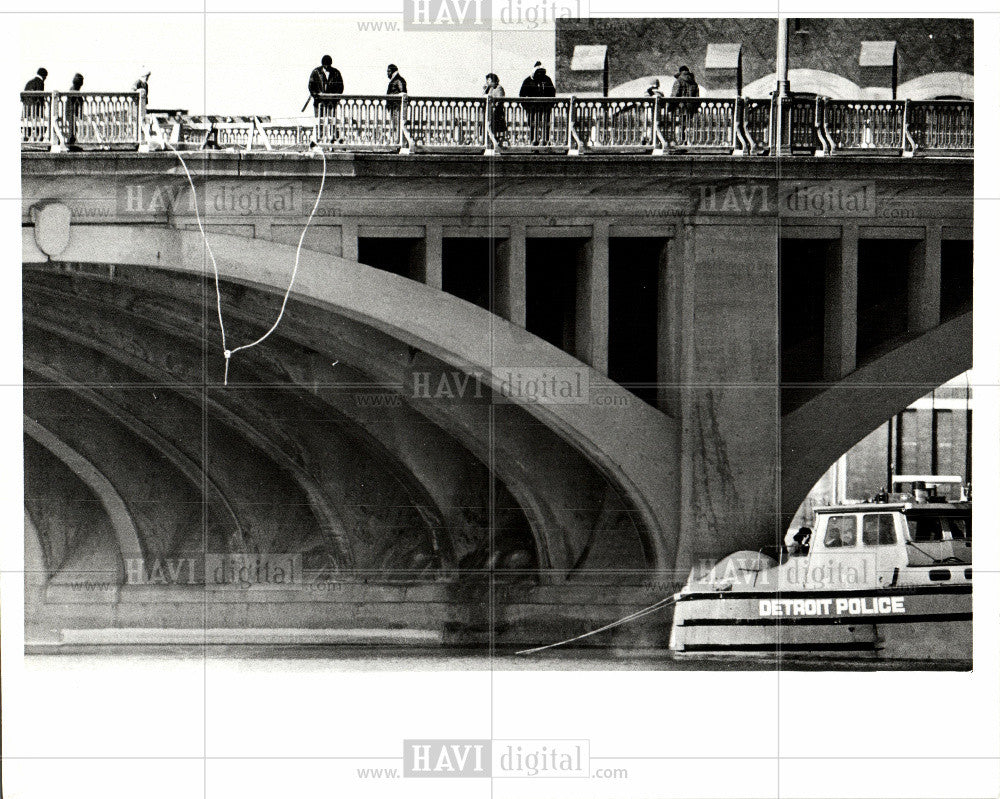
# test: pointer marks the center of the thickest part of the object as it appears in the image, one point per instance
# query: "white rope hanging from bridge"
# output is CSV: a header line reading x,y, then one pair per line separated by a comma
x,y
624,620
228,353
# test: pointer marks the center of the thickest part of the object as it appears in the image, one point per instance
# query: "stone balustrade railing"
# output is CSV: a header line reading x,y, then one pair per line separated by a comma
x,y
576,125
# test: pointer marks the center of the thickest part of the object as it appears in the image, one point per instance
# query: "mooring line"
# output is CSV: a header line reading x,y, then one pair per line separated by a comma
x,y
624,620
228,353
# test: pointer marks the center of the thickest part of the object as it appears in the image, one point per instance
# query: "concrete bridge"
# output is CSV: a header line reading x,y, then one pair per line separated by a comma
x,y
712,333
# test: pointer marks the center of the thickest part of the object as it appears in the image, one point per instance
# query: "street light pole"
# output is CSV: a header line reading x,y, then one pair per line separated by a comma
x,y
781,129
781,62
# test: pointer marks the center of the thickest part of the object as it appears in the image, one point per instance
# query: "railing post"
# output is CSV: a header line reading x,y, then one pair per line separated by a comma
x,y
657,137
55,137
738,141
405,141
490,143
909,143
571,134
143,129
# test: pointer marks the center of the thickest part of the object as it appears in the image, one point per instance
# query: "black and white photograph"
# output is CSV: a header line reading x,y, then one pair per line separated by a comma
x,y
501,398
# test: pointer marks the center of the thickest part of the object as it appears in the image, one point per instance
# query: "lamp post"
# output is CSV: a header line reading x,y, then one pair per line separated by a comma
x,y
781,131
781,62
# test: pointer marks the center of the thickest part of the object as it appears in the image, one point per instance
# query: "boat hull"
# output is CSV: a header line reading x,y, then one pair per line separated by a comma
x,y
907,623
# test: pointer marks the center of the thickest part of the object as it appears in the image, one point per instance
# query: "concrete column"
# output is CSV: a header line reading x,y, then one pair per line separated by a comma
x,y
433,253
668,286
925,283
511,276
592,301
840,340
349,239
731,420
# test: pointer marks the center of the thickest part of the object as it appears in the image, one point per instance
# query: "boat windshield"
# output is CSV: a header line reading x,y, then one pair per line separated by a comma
x,y
939,528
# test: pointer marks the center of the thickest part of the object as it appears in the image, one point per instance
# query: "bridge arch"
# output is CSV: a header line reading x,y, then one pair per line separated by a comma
x,y
820,430
631,445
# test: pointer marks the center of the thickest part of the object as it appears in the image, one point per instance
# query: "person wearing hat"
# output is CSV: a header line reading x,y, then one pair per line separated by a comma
x,y
142,82
538,84
325,79
684,84
37,83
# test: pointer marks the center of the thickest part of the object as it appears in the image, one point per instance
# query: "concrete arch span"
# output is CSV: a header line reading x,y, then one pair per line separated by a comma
x,y
819,431
426,321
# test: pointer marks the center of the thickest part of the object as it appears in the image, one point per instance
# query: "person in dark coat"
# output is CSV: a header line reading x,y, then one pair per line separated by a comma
x,y
498,117
325,79
74,110
684,84
537,85
34,113
397,85
679,115
37,83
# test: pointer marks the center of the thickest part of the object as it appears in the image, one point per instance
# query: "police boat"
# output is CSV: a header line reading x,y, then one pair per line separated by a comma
x,y
889,578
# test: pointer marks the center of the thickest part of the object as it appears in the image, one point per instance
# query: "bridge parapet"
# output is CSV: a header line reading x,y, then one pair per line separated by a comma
x,y
404,124
99,120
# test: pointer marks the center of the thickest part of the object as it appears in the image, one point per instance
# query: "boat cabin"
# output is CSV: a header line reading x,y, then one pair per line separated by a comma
x,y
899,538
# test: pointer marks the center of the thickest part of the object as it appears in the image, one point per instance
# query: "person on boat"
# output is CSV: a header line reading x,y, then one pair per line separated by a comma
x,y
800,542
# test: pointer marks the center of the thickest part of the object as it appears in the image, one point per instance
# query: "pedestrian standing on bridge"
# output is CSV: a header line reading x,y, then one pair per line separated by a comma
x,y
397,85
74,110
37,83
684,84
33,110
537,85
325,79
142,82
498,116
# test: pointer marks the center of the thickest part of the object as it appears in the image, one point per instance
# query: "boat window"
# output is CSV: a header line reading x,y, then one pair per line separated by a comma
x,y
961,529
841,531
925,528
878,529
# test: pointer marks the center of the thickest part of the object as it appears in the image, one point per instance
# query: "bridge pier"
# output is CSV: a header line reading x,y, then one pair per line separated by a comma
x,y
730,409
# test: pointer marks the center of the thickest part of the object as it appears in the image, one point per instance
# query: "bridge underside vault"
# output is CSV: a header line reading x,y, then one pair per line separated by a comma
x,y
318,446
